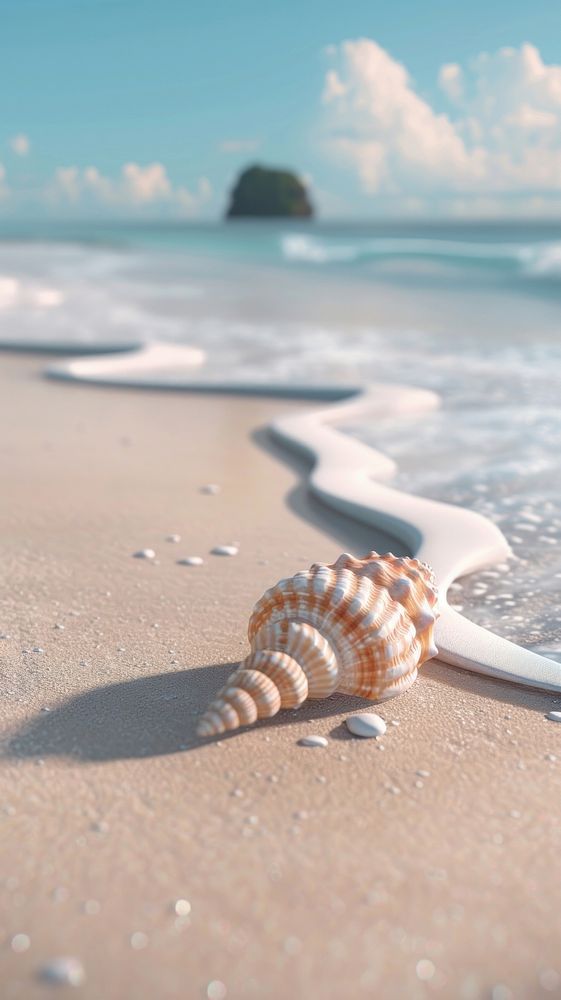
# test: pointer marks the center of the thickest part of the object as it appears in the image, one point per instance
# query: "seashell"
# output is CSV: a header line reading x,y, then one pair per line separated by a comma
x,y
358,626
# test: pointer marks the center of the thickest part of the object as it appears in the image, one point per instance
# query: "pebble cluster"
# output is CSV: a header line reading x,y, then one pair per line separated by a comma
x,y
230,549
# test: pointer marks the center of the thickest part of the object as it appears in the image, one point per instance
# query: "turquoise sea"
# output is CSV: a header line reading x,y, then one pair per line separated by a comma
x,y
471,310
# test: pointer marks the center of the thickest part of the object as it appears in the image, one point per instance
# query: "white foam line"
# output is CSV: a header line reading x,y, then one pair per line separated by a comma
x,y
350,476
132,367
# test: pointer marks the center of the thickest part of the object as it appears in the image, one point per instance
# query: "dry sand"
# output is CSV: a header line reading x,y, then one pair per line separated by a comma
x,y
328,873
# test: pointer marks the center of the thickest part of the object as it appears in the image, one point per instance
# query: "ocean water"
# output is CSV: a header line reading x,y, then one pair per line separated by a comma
x,y
472,311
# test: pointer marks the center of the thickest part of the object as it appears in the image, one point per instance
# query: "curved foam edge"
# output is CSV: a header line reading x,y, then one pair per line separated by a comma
x,y
454,541
351,477
129,367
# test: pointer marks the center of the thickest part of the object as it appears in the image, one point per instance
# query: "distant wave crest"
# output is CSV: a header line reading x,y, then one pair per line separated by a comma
x,y
542,260
537,259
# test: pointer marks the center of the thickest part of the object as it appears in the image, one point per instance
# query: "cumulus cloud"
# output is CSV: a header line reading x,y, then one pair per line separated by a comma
x,y
136,186
450,79
385,129
68,182
20,144
239,145
501,136
145,184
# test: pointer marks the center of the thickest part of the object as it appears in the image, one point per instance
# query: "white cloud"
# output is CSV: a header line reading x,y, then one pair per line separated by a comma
x,y
528,118
145,184
334,87
239,145
136,186
502,136
67,180
20,144
450,79
93,180
390,134
192,201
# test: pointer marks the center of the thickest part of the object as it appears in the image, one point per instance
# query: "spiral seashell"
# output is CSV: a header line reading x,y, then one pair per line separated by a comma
x,y
358,626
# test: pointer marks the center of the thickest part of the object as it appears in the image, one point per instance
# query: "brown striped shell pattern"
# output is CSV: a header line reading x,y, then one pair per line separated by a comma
x,y
358,626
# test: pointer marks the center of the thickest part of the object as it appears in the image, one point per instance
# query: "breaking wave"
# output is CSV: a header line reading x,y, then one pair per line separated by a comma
x,y
536,260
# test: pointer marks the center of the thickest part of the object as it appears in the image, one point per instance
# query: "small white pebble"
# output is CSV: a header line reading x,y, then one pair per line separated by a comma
x,y
211,489
20,943
139,940
190,561
37,649
423,774
182,907
551,757
313,741
63,972
501,992
368,725
144,554
554,716
59,627
237,793
224,550
91,907
216,990
425,969
173,538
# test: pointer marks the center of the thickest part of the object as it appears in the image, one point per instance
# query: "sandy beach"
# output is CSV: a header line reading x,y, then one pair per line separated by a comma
x,y
422,864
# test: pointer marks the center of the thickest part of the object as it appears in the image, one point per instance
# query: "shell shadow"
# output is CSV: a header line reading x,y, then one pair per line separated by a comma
x,y
156,716
146,717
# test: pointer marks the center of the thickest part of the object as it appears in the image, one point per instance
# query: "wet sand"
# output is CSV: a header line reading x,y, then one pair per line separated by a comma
x,y
332,872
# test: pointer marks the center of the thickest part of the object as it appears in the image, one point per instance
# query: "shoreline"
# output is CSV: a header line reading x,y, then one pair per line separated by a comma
x,y
345,474
325,872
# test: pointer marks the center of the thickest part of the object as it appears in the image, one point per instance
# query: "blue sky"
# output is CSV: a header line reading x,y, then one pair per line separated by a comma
x,y
150,108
